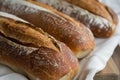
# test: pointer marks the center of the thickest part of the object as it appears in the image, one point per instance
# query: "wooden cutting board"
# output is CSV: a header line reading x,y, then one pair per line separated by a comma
x,y
112,70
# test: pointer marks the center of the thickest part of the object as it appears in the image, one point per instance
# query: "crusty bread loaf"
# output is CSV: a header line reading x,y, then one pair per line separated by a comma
x,y
28,50
74,34
99,18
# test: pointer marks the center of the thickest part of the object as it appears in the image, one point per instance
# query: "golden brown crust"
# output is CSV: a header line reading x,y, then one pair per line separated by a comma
x,y
102,33
24,34
100,10
70,59
75,35
93,6
44,62
98,17
113,15
77,38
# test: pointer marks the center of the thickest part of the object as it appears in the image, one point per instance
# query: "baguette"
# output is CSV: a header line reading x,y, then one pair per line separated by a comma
x,y
74,34
29,51
101,19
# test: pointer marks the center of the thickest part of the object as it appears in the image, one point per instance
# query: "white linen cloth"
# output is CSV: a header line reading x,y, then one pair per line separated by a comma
x,y
90,65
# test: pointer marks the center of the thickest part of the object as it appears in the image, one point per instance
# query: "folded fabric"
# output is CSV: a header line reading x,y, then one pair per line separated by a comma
x,y
13,76
99,57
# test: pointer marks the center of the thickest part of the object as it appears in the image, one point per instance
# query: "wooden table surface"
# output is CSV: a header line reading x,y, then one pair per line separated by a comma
x,y
112,70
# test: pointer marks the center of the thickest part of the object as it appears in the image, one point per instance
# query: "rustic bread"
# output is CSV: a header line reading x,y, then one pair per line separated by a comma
x,y
29,51
101,19
74,34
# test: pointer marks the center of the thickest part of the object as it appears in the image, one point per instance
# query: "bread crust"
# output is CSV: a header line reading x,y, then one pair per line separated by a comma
x,y
35,64
97,9
45,60
98,17
63,28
